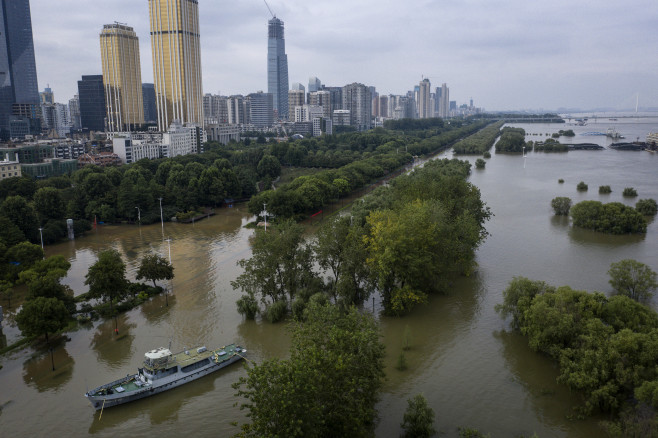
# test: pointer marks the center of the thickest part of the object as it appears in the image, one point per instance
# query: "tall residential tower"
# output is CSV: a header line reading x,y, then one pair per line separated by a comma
x,y
277,67
175,42
122,77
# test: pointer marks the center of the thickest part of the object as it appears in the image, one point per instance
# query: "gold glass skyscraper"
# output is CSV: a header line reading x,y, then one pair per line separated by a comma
x,y
122,77
175,42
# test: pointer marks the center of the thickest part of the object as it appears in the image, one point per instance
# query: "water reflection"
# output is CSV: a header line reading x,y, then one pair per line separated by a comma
x,y
560,222
551,401
602,240
112,349
273,341
38,370
156,309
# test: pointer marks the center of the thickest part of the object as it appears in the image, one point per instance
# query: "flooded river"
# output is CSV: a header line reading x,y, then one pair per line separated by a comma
x,y
471,368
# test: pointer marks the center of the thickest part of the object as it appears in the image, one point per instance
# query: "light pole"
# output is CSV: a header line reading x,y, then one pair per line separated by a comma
x,y
161,218
264,213
170,282
139,215
41,234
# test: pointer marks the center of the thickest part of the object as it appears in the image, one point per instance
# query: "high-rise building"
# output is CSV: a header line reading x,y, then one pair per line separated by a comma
x,y
295,98
277,67
336,96
74,113
314,84
18,72
175,42
238,110
262,109
91,93
150,107
297,86
383,106
443,101
322,98
47,96
424,109
358,101
122,77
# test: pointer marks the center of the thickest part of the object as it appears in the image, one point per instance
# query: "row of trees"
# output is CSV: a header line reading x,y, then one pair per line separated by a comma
x,y
480,142
308,194
414,237
511,140
607,348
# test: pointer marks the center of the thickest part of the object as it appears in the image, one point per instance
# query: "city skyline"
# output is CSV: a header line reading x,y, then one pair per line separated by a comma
x,y
506,56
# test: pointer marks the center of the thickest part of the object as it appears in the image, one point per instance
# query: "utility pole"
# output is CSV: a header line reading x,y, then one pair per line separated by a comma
x,y
161,218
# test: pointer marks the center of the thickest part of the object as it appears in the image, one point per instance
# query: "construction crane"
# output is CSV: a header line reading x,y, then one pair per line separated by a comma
x,y
270,9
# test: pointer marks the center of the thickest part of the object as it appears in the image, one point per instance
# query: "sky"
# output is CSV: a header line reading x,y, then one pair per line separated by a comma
x,y
505,54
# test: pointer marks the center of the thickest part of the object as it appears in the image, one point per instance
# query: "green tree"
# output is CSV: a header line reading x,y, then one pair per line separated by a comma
x,y
633,279
328,387
418,420
49,204
480,163
647,207
26,254
21,214
269,166
155,267
107,277
561,205
280,265
42,316
6,291
630,192
10,233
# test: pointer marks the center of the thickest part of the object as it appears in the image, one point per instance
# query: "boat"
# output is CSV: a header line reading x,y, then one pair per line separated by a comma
x,y
163,371
612,133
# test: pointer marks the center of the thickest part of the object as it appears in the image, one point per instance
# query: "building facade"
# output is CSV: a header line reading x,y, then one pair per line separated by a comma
x,y
122,77
425,111
262,109
357,99
296,98
9,169
18,71
277,67
175,42
91,94
150,107
74,113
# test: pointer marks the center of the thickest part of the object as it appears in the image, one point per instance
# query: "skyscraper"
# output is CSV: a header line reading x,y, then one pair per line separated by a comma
x,y
262,109
277,67
19,91
91,93
443,101
175,42
122,77
424,109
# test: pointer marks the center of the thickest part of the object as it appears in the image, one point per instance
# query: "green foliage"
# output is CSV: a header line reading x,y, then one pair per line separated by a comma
x,y
487,154
606,348
511,140
25,253
480,163
42,316
22,214
280,266
248,306
561,205
467,432
10,234
647,207
604,190
480,142
402,362
107,277
328,387
155,267
550,145
582,187
269,166
633,279
630,192
612,218
560,181
276,311
418,420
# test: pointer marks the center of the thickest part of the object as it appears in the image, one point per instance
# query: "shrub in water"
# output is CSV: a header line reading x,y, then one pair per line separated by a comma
x,y
561,205
604,190
647,207
276,311
582,187
630,192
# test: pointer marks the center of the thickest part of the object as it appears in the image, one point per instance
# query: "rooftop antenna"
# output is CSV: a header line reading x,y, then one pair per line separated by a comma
x,y
270,9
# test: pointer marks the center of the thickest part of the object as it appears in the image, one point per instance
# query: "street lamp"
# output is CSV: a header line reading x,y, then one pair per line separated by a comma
x,y
264,213
170,282
161,218
41,234
139,215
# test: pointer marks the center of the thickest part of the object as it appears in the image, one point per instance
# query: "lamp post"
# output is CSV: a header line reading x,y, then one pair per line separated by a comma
x,y
161,218
139,215
264,213
41,234
170,283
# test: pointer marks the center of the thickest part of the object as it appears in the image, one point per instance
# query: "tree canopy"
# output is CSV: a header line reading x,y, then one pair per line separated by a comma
x,y
633,279
155,267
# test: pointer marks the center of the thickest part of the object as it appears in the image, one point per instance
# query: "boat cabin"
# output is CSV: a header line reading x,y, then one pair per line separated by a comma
x,y
159,358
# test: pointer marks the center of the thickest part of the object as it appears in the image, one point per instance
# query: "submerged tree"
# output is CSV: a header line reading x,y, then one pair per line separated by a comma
x,y
418,421
155,267
107,277
633,279
42,316
328,387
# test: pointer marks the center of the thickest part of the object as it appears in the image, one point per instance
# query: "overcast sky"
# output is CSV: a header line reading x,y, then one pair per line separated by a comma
x,y
505,54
